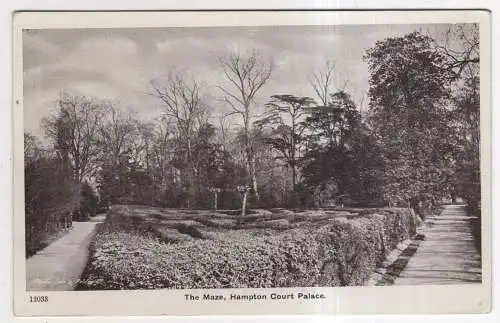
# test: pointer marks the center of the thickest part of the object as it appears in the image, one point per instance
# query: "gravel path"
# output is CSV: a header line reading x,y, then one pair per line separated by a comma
x,y
59,266
447,254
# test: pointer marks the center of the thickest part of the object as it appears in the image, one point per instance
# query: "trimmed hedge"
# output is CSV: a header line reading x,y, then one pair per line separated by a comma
x,y
342,252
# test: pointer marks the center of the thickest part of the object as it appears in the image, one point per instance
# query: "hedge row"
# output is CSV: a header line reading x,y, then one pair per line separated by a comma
x,y
343,252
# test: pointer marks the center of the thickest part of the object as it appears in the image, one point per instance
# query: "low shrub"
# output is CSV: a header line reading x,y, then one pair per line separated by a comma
x,y
342,252
278,224
218,223
171,235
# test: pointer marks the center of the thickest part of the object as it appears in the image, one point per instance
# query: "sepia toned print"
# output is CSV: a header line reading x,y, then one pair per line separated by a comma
x,y
224,160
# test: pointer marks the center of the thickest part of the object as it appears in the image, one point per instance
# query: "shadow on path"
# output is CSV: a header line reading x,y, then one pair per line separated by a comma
x,y
444,252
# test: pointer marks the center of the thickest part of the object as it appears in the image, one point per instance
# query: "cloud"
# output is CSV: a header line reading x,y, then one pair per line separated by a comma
x,y
102,53
36,43
95,66
108,46
37,51
174,44
119,63
37,105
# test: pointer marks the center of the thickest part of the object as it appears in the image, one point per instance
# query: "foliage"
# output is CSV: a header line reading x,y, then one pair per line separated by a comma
x,y
409,90
335,252
419,141
285,115
89,203
333,125
74,131
51,195
343,162
463,60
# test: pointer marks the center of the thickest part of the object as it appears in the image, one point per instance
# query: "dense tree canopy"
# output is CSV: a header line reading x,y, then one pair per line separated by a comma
x,y
285,115
409,95
418,142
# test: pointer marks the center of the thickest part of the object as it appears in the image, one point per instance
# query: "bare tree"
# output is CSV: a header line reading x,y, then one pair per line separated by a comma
x,y
116,134
223,131
184,104
247,74
322,80
74,132
162,150
460,46
153,149
142,145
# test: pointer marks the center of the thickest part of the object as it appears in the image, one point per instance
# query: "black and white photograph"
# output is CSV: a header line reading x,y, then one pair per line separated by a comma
x,y
252,157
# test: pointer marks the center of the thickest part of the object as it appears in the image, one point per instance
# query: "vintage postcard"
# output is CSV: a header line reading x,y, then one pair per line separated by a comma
x,y
210,163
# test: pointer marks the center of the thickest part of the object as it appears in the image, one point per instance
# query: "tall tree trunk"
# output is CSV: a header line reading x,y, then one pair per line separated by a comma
x,y
215,200
244,203
254,180
188,203
250,158
248,75
189,173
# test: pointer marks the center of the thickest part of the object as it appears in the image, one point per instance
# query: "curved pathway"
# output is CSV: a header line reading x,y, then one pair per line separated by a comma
x,y
59,266
447,254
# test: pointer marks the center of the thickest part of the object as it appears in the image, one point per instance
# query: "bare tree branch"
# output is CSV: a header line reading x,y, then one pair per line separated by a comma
x,y
246,75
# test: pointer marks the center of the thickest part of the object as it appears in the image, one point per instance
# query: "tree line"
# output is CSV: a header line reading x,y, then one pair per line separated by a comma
x,y
418,141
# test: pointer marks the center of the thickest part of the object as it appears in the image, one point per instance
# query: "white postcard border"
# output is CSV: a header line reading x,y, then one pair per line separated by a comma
x,y
342,300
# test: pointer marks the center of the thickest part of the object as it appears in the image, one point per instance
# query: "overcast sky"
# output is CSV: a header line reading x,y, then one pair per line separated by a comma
x,y
118,64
